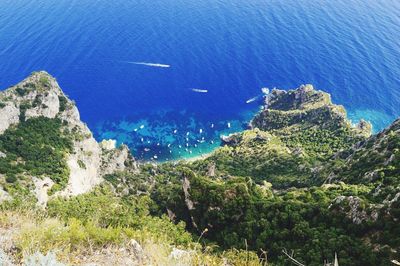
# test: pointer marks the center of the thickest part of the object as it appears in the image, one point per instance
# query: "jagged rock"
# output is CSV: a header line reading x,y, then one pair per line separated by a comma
x,y
304,107
370,158
2,155
5,259
136,249
232,139
180,254
117,159
171,215
352,206
40,95
186,187
4,196
211,169
42,187
364,126
9,115
108,144
189,203
39,259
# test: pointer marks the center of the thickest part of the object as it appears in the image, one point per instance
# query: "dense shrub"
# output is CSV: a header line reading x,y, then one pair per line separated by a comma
x,y
37,147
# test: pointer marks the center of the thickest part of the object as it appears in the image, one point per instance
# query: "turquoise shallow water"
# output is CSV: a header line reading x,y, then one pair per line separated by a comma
x,y
229,48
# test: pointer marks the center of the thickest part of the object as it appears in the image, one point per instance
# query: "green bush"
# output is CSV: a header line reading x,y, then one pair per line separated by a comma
x,y
36,147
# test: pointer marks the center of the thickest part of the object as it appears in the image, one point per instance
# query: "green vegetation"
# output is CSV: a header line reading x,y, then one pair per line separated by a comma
x,y
302,180
63,103
100,220
35,147
237,211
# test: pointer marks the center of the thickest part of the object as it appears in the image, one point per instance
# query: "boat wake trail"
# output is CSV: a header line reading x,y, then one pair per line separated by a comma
x,y
148,64
200,90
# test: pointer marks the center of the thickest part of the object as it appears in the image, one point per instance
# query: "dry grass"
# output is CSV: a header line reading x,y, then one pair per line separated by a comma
x,y
74,243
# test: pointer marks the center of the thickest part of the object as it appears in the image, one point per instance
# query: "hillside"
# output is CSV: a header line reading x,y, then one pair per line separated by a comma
x,y
302,179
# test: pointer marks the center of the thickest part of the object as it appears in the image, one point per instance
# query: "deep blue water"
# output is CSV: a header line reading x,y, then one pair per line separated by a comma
x,y
231,48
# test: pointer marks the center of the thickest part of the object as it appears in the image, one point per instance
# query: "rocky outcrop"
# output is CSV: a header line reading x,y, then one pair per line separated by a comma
x,y
304,107
9,115
370,160
116,159
42,187
4,196
40,96
353,208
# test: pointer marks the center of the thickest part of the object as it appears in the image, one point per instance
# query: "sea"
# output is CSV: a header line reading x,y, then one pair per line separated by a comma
x,y
169,77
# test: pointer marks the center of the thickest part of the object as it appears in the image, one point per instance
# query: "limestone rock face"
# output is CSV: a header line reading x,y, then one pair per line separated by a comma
x,y
9,115
41,188
4,196
116,160
39,95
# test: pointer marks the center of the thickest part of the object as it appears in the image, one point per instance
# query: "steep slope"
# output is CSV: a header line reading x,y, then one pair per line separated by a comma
x,y
43,142
375,159
295,134
302,179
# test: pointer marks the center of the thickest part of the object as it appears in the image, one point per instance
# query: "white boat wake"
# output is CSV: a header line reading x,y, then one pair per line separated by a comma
x,y
200,90
252,99
148,64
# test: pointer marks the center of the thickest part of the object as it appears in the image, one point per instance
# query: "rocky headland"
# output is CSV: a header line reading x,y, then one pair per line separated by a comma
x,y
302,180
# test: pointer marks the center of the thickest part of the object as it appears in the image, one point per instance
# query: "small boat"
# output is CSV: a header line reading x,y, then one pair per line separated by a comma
x,y
229,125
201,131
175,131
141,127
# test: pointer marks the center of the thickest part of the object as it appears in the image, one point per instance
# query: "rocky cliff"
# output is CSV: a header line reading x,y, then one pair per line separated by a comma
x,y
39,96
302,178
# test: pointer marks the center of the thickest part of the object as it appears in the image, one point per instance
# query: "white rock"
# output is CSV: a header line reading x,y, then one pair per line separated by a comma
x,y
4,196
179,254
9,115
109,144
41,188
